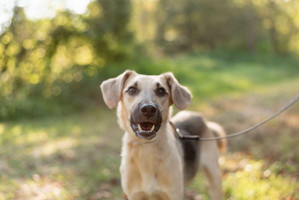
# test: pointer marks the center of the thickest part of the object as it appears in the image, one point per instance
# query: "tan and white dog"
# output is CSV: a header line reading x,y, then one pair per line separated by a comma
x,y
155,164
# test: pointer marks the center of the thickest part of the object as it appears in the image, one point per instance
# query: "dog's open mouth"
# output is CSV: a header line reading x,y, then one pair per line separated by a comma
x,y
146,126
146,120
146,130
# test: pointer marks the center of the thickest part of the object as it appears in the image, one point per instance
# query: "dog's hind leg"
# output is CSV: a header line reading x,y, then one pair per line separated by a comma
x,y
209,155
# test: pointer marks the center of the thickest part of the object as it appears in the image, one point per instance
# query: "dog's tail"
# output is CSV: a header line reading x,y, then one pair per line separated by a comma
x,y
218,131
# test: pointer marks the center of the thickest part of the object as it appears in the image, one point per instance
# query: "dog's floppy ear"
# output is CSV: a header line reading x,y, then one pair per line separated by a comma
x,y
112,88
180,95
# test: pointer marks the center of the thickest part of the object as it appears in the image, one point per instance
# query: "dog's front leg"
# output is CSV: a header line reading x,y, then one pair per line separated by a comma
x,y
176,188
124,197
178,194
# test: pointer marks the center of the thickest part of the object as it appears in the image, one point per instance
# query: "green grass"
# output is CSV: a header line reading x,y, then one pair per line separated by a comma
x,y
213,74
70,157
77,156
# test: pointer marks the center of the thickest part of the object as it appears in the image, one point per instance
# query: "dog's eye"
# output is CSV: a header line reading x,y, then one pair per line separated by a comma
x,y
161,92
132,91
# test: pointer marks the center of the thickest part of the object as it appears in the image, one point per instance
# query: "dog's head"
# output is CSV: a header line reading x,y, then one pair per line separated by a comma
x,y
144,101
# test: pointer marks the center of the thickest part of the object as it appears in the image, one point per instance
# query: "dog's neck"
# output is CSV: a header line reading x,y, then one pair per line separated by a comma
x,y
162,145
142,152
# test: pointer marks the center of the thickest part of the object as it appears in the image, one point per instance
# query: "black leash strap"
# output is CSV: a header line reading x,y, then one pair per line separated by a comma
x,y
196,137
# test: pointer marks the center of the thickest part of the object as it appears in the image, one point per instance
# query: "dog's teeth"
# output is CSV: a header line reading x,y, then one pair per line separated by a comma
x,y
153,127
139,127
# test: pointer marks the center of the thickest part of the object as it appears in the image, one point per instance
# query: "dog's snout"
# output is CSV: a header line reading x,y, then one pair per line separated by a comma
x,y
148,110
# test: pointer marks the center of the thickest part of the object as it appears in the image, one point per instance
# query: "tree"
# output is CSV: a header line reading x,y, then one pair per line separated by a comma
x,y
49,60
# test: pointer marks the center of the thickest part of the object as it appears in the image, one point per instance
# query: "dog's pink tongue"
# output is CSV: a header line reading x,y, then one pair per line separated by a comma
x,y
146,126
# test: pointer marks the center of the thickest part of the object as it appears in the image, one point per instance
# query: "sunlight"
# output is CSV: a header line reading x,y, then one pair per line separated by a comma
x,y
39,9
36,9
40,189
6,7
243,172
2,127
53,147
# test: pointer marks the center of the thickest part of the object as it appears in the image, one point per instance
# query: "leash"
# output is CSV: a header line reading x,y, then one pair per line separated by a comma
x,y
196,137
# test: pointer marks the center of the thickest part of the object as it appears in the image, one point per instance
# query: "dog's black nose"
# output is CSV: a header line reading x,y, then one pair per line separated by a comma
x,y
148,110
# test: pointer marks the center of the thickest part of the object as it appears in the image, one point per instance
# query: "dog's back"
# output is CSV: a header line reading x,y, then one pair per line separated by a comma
x,y
192,123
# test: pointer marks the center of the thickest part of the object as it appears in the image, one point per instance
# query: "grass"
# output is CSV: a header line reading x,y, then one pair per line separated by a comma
x,y
66,158
77,156
213,74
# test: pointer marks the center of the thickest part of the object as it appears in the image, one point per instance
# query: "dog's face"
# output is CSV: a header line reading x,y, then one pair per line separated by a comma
x,y
144,101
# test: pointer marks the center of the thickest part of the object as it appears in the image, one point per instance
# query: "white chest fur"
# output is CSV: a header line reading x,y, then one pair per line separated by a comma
x,y
152,169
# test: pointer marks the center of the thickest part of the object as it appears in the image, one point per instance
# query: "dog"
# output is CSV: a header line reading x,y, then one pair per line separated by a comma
x,y
155,164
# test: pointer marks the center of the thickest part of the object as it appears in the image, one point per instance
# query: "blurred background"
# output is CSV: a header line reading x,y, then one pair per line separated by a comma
x,y
238,57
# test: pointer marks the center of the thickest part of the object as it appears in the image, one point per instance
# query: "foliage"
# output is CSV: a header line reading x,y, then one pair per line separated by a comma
x,y
214,73
53,66
44,63
255,182
255,26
